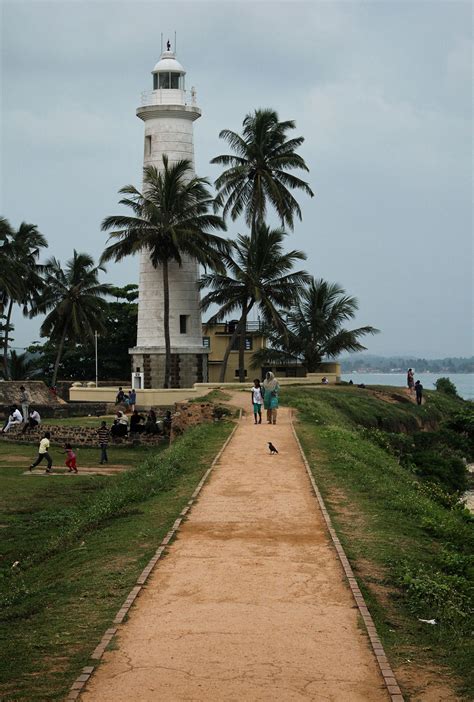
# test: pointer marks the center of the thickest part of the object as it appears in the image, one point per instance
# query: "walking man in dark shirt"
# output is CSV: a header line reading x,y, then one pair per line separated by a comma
x,y
419,392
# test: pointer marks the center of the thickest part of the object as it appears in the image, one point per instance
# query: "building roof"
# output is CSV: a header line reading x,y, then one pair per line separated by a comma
x,y
168,62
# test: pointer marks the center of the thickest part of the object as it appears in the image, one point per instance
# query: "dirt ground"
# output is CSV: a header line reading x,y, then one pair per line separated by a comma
x,y
250,604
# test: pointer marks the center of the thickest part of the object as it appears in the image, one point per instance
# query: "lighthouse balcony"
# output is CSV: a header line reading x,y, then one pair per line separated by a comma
x,y
167,96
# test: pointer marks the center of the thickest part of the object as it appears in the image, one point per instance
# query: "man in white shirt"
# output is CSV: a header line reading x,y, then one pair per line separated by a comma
x,y
34,420
14,418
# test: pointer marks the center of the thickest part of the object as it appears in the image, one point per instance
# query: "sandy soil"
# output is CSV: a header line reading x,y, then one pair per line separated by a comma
x,y
250,604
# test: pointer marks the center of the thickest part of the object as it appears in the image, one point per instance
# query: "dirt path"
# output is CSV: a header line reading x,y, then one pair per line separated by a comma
x,y
250,604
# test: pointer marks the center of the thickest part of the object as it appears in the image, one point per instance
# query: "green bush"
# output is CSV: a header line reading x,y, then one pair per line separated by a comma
x,y
435,595
446,386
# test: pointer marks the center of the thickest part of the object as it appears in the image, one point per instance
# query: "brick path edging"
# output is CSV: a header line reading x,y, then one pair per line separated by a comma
x,y
379,652
79,684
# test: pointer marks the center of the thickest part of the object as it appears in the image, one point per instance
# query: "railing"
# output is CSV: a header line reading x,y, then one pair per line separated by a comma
x,y
168,96
229,327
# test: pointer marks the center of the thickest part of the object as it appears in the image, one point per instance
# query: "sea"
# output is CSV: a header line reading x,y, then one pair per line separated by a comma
x,y
464,382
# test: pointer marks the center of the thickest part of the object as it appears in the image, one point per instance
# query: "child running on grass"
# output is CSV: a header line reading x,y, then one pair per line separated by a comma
x,y
43,452
257,400
71,459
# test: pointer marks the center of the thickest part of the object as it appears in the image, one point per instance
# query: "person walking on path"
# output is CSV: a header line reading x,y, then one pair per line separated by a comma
x,y
410,379
25,400
257,400
34,420
13,418
103,434
271,389
43,452
71,459
419,392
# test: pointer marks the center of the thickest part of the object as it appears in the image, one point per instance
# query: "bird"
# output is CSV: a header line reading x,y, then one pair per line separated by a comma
x,y
272,447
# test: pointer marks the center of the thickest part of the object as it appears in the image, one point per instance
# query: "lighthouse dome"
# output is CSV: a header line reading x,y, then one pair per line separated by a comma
x,y
168,63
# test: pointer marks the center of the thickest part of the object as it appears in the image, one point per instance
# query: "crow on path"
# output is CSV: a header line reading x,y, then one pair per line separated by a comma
x,y
272,448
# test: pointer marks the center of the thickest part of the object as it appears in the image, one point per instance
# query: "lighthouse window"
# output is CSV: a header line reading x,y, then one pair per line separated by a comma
x,y
164,80
155,81
183,323
175,81
148,146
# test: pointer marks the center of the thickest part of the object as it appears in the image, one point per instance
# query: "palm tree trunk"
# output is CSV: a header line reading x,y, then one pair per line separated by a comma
x,y
6,340
166,323
232,339
225,360
58,355
243,329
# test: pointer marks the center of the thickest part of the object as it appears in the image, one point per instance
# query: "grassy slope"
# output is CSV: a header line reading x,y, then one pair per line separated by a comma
x,y
81,543
389,527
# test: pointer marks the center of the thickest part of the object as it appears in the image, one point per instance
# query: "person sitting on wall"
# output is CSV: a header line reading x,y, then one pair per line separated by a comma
x,y
167,420
120,425
15,417
120,397
325,381
34,420
136,423
151,426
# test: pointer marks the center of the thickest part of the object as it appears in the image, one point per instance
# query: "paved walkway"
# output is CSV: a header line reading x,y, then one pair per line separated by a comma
x,y
250,604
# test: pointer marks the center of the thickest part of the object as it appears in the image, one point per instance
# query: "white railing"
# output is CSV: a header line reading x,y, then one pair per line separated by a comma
x,y
168,96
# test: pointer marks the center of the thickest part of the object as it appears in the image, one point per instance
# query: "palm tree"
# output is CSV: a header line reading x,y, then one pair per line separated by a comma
x,y
257,173
172,218
11,279
315,328
23,250
73,301
258,274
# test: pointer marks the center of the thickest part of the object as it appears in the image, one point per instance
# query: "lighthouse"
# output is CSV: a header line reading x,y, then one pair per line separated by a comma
x,y
168,112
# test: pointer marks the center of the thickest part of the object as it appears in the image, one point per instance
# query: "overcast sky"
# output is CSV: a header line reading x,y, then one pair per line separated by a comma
x,y
381,91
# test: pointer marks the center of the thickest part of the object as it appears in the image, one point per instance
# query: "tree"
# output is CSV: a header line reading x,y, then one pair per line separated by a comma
x,y
73,301
258,273
171,219
21,366
23,249
258,170
78,359
315,328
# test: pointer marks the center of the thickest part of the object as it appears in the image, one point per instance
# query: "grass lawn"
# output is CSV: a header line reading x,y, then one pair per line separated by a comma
x,y
411,555
81,542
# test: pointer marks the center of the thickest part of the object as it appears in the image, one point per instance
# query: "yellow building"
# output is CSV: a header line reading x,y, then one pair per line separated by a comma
x,y
216,338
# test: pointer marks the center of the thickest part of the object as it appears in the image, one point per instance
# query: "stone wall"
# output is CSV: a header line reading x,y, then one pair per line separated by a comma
x,y
190,414
185,416
186,369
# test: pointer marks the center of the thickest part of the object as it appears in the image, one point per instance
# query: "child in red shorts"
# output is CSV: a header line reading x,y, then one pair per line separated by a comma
x,y
71,459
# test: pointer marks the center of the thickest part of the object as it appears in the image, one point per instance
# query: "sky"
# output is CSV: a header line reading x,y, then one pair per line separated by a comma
x,y
381,92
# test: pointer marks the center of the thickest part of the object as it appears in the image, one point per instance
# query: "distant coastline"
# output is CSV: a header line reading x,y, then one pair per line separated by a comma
x,y
367,363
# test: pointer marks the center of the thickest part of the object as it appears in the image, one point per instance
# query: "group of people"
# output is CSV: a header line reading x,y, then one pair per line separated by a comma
x,y
415,387
128,399
103,435
139,424
27,415
265,394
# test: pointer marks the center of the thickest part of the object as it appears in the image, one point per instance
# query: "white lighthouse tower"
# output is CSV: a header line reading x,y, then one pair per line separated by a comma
x,y
168,112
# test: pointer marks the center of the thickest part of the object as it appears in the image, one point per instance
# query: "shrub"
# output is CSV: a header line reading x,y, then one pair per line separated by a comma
x,y
436,595
446,386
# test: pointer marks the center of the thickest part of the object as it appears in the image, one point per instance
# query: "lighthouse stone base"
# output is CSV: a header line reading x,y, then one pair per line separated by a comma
x,y
188,366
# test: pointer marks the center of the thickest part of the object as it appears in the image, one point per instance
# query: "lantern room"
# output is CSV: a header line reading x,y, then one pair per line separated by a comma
x,y
168,73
